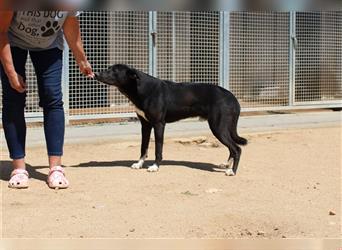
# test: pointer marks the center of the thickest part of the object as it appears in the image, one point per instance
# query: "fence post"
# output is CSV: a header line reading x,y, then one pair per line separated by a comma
x,y
173,46
292,57
152,43
224,49
65,81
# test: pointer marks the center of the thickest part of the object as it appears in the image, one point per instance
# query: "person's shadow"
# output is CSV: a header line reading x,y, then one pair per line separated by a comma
x,y
6,169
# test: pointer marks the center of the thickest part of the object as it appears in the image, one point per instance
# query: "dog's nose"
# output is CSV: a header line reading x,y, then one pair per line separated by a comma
x,y
95,76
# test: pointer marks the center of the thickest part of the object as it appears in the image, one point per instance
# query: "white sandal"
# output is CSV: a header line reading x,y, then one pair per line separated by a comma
x,y
19,179
56,178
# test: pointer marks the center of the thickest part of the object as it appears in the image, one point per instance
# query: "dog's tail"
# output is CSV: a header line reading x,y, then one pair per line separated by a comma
x,y
239,140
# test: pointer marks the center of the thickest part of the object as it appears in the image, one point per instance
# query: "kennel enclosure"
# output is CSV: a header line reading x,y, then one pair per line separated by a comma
x,y
269,60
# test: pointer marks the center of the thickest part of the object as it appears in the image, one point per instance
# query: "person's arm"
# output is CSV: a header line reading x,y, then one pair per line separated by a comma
x,y
16,81
72,35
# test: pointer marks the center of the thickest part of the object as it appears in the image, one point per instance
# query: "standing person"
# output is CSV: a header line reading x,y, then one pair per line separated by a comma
x,y
40,34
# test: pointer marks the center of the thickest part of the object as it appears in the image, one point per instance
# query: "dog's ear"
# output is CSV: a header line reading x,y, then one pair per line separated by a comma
x,y
133,74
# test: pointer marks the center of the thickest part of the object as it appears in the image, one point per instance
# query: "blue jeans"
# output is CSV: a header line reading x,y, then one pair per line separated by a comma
x,y
48,68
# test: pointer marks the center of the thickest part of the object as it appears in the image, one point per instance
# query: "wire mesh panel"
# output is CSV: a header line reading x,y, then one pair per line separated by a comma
x,y
318,56
259,58
109,38
188,46
32,98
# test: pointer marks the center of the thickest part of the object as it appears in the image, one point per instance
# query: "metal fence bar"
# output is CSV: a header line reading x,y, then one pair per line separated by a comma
x,y
104,116
292,56
34,115
174,46
65,82
152,43
224,49
307,106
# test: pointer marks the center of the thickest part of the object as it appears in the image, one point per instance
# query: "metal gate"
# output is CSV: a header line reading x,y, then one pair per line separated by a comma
x,y
318,53
269,60
259,58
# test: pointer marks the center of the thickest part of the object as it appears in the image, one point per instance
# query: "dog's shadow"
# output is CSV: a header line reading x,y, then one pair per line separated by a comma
x,y
6,169
195,165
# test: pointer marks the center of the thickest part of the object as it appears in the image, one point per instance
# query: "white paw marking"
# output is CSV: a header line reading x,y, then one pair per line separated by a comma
x,y
153,168
138,164
141,113
230,163
230,172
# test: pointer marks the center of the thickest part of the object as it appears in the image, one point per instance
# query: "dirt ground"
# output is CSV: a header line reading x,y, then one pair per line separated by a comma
x,y
288,183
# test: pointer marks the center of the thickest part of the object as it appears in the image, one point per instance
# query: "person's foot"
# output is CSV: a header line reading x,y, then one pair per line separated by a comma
x,y
56,178
19,179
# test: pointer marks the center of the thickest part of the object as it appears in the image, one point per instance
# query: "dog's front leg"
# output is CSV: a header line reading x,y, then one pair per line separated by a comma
x,y
146,128
159,140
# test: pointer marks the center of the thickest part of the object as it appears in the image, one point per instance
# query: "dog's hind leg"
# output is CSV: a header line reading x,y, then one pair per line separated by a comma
x,y
146,128
236,153
218,126
233,161
159,140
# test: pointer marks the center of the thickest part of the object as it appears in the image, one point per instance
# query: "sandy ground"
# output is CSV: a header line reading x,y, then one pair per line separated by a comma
x,y
287,184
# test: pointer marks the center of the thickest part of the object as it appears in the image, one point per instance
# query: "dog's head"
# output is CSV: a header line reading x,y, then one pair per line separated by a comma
x,y
118,75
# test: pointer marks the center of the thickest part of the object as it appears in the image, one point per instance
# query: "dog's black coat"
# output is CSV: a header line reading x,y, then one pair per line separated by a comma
x,y
164,101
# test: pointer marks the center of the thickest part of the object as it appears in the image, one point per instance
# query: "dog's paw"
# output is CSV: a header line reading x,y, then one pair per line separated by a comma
x,y
137,165
230,172
153,168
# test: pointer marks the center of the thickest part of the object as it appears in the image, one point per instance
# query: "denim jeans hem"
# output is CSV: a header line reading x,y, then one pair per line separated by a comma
x,y
55,153
13,157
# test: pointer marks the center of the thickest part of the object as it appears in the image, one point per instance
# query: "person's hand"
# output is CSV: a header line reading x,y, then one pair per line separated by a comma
x,y
17,82
86,69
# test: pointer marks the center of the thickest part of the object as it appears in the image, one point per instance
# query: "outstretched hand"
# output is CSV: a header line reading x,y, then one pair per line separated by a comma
x,y
86,69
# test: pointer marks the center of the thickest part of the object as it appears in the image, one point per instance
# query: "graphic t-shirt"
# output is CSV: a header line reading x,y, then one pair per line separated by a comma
x,y
38,30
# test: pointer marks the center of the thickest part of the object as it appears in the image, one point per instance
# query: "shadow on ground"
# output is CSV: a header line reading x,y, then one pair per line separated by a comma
x,y
195,165
6,169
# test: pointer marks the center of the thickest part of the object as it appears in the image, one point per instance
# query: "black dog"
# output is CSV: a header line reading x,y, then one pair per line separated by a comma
x,y
159,102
